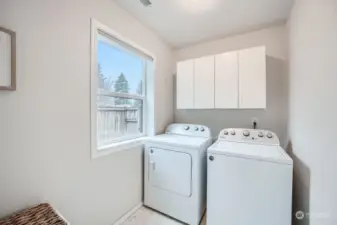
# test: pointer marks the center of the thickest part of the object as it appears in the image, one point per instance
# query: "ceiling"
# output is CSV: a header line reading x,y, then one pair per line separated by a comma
x,y
187,22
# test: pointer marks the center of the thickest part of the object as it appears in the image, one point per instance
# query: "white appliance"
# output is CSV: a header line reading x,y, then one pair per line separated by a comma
x,y
249,179
175,172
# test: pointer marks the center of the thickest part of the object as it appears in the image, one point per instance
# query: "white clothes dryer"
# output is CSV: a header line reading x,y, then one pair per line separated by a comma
x,y
175,172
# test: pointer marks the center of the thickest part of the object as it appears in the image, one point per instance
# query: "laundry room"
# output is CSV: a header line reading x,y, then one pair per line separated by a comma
x,y
152,112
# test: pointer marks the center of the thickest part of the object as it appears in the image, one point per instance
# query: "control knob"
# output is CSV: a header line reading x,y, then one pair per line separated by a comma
x,y
196,128
260,134
233,132
225,132
246,133
269,135
186,127
202,129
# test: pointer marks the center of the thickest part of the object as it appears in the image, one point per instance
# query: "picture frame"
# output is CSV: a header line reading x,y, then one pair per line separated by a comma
x,y
7,59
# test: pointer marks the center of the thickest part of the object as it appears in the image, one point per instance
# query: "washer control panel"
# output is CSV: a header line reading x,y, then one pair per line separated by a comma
x,y
249,135
189,130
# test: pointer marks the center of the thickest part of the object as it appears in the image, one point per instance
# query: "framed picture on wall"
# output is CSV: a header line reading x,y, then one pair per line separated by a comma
x,y
7,59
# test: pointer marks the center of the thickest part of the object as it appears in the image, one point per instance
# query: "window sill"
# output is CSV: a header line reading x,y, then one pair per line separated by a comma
x,y
117,147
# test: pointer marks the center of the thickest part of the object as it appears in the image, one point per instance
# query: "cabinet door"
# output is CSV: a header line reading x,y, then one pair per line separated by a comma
x,y
185,81
204,83
252,78
227,80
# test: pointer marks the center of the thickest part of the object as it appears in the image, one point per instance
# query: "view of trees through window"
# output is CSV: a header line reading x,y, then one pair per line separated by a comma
x,y
119,71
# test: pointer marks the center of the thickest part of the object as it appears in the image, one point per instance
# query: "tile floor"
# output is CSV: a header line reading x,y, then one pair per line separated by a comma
x,y
145,216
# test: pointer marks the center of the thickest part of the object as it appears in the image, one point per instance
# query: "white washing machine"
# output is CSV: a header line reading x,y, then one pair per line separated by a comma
x,y
175,172
249,179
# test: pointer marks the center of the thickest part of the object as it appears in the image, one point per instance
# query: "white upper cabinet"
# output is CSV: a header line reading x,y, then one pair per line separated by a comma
x,y
227,80
204,83
185,84
232,80
252,78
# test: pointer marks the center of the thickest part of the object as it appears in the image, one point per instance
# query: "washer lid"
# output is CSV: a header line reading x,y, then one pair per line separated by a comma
x,y
179,140
272,153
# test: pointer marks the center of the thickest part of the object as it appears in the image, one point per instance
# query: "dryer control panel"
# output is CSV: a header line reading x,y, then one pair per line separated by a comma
x,y
249,135
193,130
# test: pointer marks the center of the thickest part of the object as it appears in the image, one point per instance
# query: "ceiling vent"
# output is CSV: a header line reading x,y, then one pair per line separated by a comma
x,y
146,3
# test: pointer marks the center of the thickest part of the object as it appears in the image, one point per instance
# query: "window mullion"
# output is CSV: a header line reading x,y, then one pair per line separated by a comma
x,y
120,95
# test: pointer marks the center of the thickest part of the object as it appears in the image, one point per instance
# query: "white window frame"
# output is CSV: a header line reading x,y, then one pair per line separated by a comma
x,y
121,143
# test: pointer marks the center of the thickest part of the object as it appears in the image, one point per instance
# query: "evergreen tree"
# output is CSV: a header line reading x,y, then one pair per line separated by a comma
x,y
122,86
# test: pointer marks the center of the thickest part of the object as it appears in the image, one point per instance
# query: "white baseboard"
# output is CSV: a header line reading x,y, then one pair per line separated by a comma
x,y
128,214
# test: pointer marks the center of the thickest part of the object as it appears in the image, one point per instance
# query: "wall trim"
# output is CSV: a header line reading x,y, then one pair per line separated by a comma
x,y
128,214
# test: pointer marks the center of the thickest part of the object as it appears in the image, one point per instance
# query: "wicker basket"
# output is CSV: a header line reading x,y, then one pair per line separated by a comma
x,y
42,214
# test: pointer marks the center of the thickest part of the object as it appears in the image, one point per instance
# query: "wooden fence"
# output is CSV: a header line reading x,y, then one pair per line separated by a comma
x,y
114,122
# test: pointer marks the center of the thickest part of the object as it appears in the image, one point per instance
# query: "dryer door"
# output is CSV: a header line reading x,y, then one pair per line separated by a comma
x,y
170,171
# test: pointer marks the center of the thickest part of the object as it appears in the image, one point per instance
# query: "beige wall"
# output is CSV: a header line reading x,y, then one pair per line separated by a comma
x,y
313,108
45,124
275,116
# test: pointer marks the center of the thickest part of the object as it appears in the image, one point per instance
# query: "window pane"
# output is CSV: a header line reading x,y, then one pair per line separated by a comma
x,y
119,70
118,118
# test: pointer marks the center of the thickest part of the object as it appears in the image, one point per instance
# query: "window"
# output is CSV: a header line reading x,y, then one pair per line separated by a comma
x,y
119,100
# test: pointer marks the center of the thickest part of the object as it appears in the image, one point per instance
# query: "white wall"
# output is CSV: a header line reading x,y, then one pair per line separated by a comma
x,y
313,108
275,116
45,124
